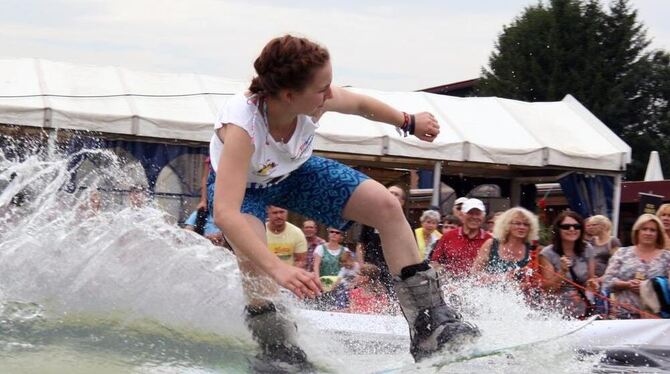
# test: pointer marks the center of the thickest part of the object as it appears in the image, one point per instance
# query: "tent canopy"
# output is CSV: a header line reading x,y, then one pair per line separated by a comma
x,y
474,131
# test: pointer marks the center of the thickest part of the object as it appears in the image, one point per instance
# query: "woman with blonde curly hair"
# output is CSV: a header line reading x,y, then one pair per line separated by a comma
x,y
510,247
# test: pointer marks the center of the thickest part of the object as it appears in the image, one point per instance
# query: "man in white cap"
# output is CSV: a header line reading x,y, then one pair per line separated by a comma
x,y
457,249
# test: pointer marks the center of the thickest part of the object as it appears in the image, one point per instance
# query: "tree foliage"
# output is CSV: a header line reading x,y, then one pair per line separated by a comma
x,y
598,56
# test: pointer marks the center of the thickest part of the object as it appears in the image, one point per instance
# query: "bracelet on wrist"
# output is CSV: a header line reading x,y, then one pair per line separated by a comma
x,y
409,124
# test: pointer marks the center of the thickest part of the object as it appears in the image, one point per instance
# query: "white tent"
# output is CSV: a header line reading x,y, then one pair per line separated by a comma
x,y
479,136
55,95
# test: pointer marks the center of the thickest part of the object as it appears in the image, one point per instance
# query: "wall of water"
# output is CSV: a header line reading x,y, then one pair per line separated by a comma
x,y
60,256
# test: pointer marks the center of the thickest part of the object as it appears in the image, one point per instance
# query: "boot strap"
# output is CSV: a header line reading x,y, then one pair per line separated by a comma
x,y
257,310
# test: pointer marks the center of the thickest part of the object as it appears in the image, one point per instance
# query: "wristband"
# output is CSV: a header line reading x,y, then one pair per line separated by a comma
x,y
408,125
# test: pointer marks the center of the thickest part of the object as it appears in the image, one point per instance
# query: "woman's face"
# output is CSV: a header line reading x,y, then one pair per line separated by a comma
x,y
334,236
593,228
519,227
647,234
665,218
311,100
429,225
570,229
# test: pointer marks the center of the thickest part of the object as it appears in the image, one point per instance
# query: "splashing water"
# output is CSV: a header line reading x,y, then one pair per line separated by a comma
x,y
126,290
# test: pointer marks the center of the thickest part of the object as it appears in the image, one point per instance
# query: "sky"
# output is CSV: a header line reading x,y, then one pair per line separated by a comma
x,y
387,45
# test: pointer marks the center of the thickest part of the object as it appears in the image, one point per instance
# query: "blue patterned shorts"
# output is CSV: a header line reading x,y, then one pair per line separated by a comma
x,y
319,189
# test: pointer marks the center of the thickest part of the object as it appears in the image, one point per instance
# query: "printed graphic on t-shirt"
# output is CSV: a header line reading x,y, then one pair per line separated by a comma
x,y
304,146
267,167
284,251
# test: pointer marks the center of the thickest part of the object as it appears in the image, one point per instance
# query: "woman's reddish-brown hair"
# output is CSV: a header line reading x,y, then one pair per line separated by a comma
x,y
287,62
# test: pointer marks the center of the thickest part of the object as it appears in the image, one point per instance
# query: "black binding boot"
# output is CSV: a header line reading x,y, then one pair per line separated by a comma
x,y
432,324
275,335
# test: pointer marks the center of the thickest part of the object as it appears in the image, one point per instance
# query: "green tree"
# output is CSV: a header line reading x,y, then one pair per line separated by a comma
x,y
575,47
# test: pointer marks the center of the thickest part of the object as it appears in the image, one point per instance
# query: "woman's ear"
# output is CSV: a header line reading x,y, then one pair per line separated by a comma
x,y
286,96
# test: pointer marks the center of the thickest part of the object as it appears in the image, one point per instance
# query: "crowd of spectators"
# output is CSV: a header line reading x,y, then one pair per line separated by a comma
x,y
583,270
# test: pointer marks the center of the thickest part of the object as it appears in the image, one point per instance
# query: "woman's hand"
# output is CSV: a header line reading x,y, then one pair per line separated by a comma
x,y
565,264
634,285
593,284
217,239
426,127
299,281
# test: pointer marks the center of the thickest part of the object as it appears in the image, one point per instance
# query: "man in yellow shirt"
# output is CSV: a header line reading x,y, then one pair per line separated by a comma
x,y
284,239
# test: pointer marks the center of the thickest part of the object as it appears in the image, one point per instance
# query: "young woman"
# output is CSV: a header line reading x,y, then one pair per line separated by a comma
x,y
327,256
568,260
603,243
262,148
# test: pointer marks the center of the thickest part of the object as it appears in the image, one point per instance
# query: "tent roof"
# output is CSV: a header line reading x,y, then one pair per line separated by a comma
x,y
114,100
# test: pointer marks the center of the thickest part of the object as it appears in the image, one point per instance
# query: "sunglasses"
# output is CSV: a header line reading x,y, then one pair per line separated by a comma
x,y
334,232
568,226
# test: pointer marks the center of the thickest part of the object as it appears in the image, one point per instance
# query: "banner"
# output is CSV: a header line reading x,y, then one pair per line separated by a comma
x,y
649,203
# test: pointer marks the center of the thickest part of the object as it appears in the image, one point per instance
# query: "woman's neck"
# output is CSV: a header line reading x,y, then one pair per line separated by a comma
x,y
646,248
512,248
603,238
279,119
568,248
514,241
333,245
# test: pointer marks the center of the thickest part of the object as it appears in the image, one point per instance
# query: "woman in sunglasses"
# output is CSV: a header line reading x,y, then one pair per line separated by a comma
x,y
327,256
567,265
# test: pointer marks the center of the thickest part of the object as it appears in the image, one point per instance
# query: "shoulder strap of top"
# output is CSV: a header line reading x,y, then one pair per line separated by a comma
x,y
493,252
495,244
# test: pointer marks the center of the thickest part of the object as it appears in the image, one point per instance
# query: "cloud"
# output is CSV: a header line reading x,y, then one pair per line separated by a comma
x,y
385,45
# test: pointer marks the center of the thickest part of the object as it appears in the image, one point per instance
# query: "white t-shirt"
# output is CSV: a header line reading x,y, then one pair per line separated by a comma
x,y
270,159
318,251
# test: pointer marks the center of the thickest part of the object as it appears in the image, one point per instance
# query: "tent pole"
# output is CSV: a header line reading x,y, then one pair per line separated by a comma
x,y
515,192
437,181
616,204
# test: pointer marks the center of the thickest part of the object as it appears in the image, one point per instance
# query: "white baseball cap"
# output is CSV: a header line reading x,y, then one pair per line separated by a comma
x,y
473,204
460,200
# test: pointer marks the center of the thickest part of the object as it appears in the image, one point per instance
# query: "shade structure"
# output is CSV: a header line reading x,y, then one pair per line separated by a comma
x,y
182,107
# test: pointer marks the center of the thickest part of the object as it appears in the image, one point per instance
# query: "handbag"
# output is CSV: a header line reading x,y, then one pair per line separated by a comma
x,y
655,295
